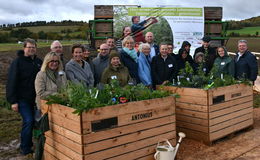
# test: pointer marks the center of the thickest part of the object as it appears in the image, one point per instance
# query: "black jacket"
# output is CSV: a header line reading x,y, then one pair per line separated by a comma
x,y
131,65
181,62
246,66
163,70
21,77
209,58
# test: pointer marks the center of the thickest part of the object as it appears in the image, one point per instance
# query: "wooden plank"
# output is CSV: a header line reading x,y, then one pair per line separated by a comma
x,y
195,107
230,92
66,133
227,104
202,115
63,149
231,129
54,152
213,13
130,147
138,135
230,122
230,110
193,100
115,132
138,153
148,157
195,127
48,156
131,107
213,28
130,118
65,123
103,11
193,92
62,111
192,134
192,120
65,141
230,116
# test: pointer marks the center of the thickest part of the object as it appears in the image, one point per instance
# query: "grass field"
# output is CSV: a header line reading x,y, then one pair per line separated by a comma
x,y
16,46
57,29
246,31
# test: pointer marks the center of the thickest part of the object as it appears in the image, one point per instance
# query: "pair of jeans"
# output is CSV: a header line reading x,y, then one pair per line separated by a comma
x,y
27,112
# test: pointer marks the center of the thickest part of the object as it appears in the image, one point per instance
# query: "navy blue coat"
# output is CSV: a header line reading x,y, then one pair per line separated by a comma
x,y
131,65
246,66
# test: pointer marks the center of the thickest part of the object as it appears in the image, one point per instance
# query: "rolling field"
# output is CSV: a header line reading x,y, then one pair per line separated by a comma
x,y
57,29
246,30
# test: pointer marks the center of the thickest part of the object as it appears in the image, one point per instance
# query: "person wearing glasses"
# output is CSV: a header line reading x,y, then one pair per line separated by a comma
x,y
51,78
101,62
56,46
78,70
20,91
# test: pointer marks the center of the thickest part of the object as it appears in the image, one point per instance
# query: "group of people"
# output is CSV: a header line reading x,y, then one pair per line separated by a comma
x,y
125,60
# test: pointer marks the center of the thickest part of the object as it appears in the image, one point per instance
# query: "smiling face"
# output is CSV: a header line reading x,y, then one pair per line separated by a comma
x,y
53,64
170,49
57,47
221,52
164,50
129,44
149,37
127,31
242,47
111,43
29,49
115,61
146,50
104,50
77,54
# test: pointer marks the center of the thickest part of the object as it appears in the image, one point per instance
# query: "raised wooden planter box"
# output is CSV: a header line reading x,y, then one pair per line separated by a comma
x,y
208,115
119,132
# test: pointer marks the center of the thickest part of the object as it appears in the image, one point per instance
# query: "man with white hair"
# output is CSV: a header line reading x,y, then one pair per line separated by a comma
x,y
57,47
149,38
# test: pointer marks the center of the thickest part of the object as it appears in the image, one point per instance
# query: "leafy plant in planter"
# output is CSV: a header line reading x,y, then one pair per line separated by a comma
x,y
82,99
188,78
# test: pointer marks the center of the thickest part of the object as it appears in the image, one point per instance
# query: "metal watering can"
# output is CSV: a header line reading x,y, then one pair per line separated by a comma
x,y
165,151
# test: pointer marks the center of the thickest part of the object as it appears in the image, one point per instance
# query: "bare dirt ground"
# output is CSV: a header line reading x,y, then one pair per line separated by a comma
x,y
245,145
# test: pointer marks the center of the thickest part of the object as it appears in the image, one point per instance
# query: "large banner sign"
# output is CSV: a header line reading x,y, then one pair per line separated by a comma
x,y
187,24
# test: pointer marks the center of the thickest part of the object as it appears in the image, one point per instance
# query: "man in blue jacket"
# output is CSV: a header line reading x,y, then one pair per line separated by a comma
x,y
245,62
20,90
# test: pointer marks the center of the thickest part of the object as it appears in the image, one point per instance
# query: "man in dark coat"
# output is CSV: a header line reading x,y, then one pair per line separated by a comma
x,y
210,53
245,62
164,67
20,91
101,62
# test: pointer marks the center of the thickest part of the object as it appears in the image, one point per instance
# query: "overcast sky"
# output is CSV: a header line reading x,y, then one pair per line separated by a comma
x,y
14,11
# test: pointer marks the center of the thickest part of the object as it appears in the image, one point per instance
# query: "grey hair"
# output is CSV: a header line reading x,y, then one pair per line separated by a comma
x,y
142,45
52,44
242,41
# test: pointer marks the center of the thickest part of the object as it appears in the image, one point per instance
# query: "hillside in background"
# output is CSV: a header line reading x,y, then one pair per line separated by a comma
x,y
42,30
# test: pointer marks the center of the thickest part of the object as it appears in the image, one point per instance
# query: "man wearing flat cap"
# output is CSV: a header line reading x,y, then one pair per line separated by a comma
x,y
209,52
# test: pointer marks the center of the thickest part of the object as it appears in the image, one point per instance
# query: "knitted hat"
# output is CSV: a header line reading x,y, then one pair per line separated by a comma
x,y
113,54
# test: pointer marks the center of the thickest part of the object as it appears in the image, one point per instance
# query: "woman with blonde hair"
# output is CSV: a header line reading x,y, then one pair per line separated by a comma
x,y
51,77
129,57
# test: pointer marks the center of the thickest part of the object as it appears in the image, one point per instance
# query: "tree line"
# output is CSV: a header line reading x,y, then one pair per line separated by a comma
x,y
251,22
14,34
43,23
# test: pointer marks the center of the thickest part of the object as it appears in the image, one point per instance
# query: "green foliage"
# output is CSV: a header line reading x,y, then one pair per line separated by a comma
x,y
188,78
82,99
4,103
